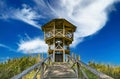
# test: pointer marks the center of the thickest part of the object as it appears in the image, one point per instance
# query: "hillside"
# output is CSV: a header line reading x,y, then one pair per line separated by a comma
x,y
14,66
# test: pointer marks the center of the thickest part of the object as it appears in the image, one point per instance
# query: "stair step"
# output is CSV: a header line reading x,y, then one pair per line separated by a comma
x,y
59,71
60,78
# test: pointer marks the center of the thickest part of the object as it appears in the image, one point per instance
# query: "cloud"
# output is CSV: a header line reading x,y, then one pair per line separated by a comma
x,y
35,45
27,15
89,16
7,47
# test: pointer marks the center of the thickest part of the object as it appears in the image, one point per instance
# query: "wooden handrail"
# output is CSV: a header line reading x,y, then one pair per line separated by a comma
x,y
94,71
25,72
99,74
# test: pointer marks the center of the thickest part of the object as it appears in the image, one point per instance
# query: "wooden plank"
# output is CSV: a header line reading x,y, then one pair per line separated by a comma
x,y
59,70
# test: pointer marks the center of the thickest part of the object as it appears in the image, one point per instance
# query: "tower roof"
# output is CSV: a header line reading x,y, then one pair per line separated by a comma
x,y
66,23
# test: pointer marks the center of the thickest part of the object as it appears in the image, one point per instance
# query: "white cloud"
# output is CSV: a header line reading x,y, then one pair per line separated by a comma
x,y
44,9
89,16
7,47
27,15
35,45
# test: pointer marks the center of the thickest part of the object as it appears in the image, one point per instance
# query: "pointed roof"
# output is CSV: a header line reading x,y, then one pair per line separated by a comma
x,y
65,22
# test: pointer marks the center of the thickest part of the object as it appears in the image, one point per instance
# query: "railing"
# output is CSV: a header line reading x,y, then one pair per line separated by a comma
x,y
81,64
38,65
59,32
75,64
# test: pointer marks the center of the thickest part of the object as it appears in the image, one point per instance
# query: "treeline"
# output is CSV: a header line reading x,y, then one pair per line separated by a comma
x,y
113,71
15,66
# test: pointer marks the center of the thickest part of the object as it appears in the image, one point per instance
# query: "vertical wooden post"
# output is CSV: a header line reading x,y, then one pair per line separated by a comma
x,y
67,58
79,57
73,55
38,58
78,67
63,51
63,43
54,44
54,50
53,55
42,71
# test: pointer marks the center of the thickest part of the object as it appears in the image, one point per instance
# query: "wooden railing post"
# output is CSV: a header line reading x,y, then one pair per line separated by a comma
x,y
67,59
78,67
42,71
73,56
36,73
49,61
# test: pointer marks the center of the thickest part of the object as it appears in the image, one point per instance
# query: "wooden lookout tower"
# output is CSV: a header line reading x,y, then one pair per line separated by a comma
x,y
58,34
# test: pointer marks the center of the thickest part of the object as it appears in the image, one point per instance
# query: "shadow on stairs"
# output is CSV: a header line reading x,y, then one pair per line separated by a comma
x,y
59,71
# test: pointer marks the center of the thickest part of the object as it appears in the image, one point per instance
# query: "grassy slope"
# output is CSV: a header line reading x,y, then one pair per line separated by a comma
x,y
15,66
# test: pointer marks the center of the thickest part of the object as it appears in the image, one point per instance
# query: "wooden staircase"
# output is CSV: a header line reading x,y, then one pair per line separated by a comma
x,y
59,71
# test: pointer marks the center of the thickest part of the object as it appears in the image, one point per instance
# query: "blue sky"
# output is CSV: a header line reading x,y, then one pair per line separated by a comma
x,y
96,38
